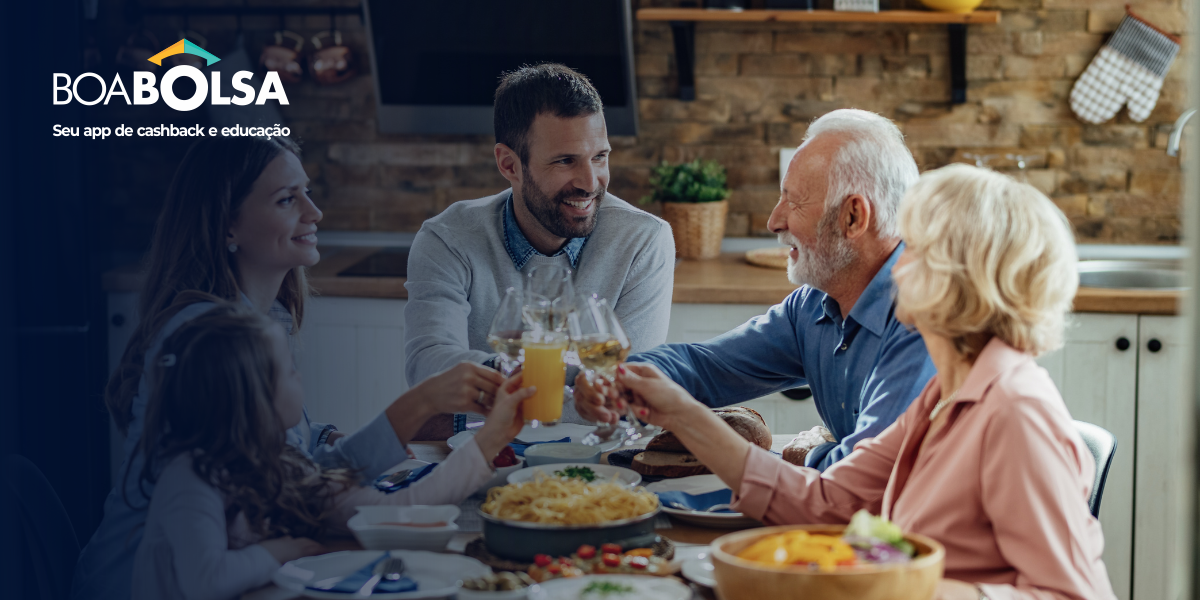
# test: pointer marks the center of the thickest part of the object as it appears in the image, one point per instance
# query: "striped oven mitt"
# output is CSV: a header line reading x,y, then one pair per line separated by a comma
x,y
1129,68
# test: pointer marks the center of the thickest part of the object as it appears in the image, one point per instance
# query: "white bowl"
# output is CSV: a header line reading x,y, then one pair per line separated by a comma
x,y
626,477
370,527
501,476
562,452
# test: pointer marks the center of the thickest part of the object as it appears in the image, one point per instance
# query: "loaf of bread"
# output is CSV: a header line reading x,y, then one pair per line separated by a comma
x,y
746,421
666,456
668,464
795,453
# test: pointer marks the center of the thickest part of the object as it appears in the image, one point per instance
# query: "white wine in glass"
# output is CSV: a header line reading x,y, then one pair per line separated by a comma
x,y
601,353
508,325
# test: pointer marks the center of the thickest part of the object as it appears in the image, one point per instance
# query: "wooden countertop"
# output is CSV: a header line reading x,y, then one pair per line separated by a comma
x,y
728,279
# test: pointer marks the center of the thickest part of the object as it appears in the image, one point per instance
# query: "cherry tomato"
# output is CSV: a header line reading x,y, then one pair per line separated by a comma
x,y
564,561
506,458
555,569
611,560
586,552
639,562
610,549
542,560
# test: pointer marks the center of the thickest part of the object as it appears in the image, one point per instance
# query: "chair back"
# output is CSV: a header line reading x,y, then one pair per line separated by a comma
x,y
49,539
1103,445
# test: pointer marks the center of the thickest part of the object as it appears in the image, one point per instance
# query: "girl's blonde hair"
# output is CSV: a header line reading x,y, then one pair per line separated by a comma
x,y
991,257
213,391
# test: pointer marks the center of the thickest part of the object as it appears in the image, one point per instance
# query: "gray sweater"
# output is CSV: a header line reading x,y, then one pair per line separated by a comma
x,y
458,269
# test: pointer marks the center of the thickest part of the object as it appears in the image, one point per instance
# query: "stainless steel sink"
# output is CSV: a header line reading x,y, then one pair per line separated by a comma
x,y
1131,274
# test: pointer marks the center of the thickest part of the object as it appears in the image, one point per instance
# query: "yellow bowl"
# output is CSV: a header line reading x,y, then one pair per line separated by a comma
x,y
954,6
741,579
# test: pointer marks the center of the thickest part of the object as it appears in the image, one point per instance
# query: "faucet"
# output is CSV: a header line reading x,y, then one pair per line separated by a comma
x,y
1177,132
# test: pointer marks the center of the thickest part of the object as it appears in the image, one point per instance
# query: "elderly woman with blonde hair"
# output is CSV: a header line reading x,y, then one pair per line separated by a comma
x,y
986,460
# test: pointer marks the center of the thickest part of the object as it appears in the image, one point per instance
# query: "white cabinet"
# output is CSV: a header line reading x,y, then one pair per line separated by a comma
x,y
351,358
1136,393
1160,523
1097,376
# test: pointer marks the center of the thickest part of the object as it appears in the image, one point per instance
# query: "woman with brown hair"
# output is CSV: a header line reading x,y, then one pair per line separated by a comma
x,y
238,225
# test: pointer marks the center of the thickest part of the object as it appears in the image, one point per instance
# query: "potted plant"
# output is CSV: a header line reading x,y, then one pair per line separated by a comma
x,y
693,202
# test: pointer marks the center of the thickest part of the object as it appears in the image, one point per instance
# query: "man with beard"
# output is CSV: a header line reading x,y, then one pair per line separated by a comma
x,y
838,333
552,146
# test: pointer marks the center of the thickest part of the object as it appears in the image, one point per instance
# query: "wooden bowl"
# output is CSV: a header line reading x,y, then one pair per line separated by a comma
x,y
741,579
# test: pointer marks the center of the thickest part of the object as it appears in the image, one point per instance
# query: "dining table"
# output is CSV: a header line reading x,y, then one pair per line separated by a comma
x,y
686,537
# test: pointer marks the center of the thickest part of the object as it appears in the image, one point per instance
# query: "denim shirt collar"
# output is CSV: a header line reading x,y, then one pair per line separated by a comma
x,y
518,246
874,305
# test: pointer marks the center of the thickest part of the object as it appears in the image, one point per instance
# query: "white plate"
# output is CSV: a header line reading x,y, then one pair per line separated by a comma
x,y
627,477
700,484
645,587
437,575
700,571
713,520
528,434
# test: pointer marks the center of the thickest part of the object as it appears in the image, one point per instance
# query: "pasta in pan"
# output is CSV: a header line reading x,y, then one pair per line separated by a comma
x,y
567,501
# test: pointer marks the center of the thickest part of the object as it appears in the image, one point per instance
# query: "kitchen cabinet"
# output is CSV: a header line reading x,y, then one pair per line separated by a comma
x,y
1160,521
1123,373
1096,372
351,358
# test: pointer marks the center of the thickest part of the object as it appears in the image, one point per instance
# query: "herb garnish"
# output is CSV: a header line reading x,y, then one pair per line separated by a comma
x,y
605,588
583,473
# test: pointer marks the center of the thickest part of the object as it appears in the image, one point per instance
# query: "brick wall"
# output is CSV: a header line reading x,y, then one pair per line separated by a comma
x,y
758,85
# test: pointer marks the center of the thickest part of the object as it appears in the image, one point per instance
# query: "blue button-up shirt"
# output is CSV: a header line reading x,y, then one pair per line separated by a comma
x,y
519,248
863,370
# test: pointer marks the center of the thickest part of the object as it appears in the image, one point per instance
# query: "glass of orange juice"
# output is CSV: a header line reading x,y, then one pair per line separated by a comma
x,y
545,369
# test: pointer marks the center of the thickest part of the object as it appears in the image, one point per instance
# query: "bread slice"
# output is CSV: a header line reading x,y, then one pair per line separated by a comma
x,y
746,421
668,464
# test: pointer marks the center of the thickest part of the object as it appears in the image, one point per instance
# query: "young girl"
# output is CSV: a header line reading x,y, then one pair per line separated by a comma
x,y
233,500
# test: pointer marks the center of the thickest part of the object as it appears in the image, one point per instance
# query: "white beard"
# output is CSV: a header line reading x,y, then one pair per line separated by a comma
x,y
818,267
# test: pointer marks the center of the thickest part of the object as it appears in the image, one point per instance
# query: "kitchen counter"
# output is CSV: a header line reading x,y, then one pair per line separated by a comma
x,y
728,279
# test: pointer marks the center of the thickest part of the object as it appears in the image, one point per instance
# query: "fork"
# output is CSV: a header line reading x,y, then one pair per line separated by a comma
x,y
389,569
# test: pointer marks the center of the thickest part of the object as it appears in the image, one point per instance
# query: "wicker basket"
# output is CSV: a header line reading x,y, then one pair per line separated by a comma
x,y
697,227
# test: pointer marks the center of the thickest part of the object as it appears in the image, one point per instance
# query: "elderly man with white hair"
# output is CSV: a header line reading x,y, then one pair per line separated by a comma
x,y
838,332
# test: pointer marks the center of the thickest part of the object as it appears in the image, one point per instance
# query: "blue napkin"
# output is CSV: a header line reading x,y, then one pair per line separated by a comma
x,y
354,581
520,448
412,478
697,501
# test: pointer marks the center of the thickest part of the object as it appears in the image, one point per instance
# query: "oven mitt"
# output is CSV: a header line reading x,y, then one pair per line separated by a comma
x,y
1129,68
354,581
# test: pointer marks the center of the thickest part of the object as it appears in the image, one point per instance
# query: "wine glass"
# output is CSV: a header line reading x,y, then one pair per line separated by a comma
x,y
508,325
549,292
601,344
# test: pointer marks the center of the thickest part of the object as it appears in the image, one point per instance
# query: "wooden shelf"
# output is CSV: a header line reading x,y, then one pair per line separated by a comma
x,y
979,17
